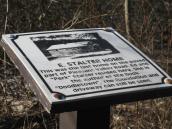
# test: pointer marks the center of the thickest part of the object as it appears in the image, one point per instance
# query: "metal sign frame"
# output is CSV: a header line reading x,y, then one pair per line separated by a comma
x,y
55,102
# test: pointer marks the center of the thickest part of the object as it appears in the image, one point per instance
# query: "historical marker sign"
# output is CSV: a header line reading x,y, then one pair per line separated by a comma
x,y
77,65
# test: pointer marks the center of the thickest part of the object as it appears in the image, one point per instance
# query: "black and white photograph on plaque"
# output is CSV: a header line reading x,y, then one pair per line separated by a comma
x,y
73,46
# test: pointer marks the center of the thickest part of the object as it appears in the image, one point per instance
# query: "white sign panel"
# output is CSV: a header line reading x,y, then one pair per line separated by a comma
x,y
86,62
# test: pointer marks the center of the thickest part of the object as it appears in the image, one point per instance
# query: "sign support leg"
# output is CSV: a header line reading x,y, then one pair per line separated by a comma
x,y
86,119
68,120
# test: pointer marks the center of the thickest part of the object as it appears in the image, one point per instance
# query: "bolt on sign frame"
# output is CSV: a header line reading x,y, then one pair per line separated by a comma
x,y
84,69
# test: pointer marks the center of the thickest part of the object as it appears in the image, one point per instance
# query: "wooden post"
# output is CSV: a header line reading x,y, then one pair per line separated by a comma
x,y
86,119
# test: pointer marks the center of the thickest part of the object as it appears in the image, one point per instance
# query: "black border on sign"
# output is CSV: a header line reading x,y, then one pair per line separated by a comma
x,y
14,37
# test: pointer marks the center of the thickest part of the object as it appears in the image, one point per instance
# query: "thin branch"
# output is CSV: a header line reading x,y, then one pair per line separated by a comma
x,y
127,19
6,18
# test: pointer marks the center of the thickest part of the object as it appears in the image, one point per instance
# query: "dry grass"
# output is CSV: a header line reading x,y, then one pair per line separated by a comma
x,y
150,26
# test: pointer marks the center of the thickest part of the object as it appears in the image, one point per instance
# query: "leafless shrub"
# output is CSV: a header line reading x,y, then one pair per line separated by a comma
x,y
150,29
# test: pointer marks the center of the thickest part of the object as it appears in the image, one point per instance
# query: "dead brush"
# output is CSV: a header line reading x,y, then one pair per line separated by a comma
x,y
148,27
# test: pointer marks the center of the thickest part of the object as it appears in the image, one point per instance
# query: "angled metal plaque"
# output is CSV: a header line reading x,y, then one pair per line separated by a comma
x,y
71,69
